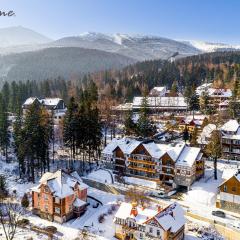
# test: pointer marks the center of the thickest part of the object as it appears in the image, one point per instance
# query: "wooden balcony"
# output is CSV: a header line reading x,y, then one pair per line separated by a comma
x,y
142,161
142,169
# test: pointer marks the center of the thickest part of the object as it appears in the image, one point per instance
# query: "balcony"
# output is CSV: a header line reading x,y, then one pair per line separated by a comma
x,y
168,166
142,169
142,161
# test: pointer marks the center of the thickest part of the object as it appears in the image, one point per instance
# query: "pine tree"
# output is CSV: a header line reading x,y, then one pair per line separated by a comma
x,y
185,134
194,103
193,137
129,125
145,127
25,201
4,125
214,149
3,187
70,127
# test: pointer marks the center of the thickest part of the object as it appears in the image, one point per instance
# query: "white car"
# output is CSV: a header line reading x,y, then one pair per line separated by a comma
x,y
236,225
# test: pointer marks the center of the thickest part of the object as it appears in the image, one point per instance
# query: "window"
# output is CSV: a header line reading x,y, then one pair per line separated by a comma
x,y
188,173
151,230
57,210
178,170
141,235
45,197
158,233
225,188
57,200
234,189
46,208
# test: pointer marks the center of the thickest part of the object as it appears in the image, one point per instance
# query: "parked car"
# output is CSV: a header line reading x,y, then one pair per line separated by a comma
x,y
219,214
159,194
236,225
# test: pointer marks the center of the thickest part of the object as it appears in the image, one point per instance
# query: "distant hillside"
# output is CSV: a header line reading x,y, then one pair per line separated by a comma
x,y
139,47
54,62
218,67
18,36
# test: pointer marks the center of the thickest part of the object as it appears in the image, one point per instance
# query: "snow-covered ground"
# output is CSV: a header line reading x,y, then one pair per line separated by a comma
x,y
101,175
204,191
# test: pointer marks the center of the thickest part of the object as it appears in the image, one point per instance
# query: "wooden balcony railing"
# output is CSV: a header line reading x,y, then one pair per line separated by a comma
x,y
142,169
142,161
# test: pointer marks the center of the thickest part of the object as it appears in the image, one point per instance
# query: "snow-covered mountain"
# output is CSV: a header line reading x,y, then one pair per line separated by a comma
x,y
212,47
139,47
18,36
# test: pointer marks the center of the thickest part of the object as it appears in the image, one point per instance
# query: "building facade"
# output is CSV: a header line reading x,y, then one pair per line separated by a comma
x,y
231,139
229,193
55,107
134,222
59,196
167,164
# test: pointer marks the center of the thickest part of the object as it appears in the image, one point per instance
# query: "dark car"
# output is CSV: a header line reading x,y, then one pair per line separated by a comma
x,y
219,214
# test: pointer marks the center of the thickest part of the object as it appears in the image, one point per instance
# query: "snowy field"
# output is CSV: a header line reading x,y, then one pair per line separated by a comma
x,y
204,192
101,175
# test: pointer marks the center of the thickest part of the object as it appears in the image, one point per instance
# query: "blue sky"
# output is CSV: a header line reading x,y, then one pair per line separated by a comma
x,y
210,20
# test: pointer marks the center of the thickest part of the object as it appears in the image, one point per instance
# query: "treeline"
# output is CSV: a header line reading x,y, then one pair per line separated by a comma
x,y
32,137
82,127
222,68
33,134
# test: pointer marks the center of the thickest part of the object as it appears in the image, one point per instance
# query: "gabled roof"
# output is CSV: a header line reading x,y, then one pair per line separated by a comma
x,y
171,218
237,176
178,152
48,102
62,184
30,101
188,156
127,145
230,126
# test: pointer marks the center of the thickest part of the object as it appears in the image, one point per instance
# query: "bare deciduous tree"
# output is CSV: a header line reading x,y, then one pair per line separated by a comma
x,y
9,218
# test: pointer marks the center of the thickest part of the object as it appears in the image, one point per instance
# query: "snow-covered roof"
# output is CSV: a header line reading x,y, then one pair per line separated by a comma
x,y
127,145
214,92
228,172
61,183
159,89
236,175
125,210
177,151
30,101
50,101
206,133
171,218
161,102
197,119
188,156
79,203
230,126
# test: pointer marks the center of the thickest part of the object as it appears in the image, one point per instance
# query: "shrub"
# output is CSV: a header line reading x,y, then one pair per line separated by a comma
x,y
101,218
25,201
23,222
51,229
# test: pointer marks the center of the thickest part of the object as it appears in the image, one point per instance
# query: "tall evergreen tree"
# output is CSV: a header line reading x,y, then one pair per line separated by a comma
x,y
129,125
145,127
4,127
214,149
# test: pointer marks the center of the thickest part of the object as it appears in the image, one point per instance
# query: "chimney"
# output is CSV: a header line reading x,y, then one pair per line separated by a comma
x,y
159,208
134,211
